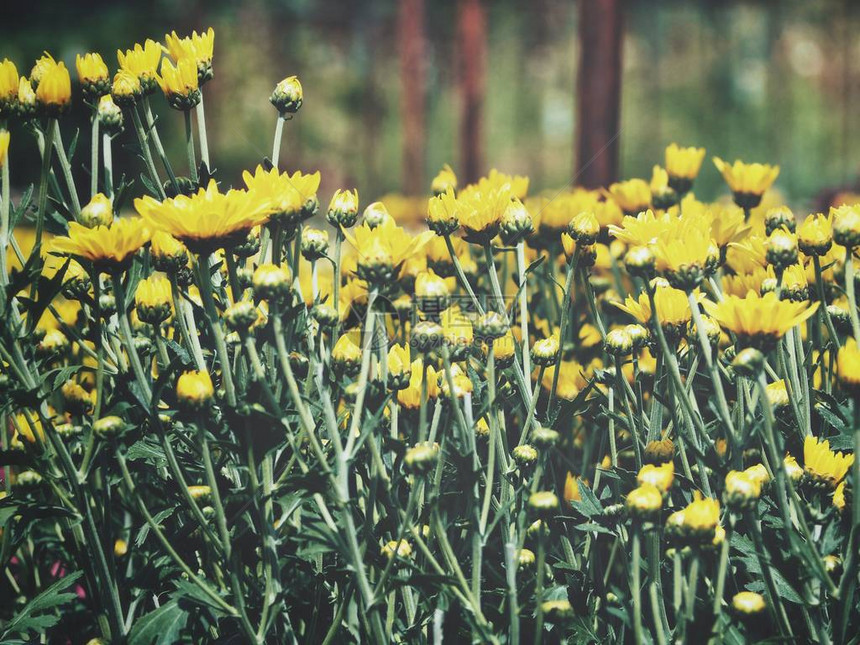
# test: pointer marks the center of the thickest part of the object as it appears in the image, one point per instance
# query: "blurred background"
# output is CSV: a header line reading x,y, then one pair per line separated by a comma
x,y
565,92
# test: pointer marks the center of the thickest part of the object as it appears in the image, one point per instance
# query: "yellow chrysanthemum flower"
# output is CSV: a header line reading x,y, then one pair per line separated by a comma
x,y
25,425
759,321
673,309
93,75
748,181
570,379
571,488
815,234
745,256
683,253
208,219
644,229
702,515
382,249
288,195
443,181
198,48
480,208
632,196
683,163
106,246
194,389
54,92
660,477
823,465
179,84
153,299
142,61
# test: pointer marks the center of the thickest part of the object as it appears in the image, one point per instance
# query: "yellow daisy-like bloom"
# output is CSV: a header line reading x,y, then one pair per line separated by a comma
x,y
823,465
517,185
194,389
480,209
748,181
792,468
682,255
54,92
179,84
25,425
93,75
287,195
571,488
673,309
208,219
741,487
745,256
815,234
725,221
4,147
26,97
777,394
683,163
632,196
644,501
442,213
142,61
644,229
153,299
399,361
384,248
106,246
848,365
660,477
126,88
8,84
410,397
198,48
759,321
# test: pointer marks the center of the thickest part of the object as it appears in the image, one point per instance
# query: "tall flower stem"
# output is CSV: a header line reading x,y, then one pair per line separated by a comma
x,y
5,206
201,131
66,167
147,154
127,337
636,581
159,147
276,145
42,204
107,160
94,155
568,285
461,276
823,314
204,280
850,291
524,311
189,147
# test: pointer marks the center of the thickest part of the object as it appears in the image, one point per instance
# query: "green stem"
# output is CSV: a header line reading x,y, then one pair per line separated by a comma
x,y
201,132
276,146
850,290
128,338
189,147
159,148
66,167
107,158
568,284
204,280
94,155
47,149
147,154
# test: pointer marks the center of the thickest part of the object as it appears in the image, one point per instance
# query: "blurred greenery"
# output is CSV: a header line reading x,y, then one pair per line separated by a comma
x,y
764,81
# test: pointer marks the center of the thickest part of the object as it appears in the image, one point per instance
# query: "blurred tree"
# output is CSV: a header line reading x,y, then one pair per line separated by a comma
x,y
598,92
472,50
410,34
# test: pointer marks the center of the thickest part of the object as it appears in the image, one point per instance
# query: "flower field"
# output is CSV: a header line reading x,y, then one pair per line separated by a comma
x,y
248,412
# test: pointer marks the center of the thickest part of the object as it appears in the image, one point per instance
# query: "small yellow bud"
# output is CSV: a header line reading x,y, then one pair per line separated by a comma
x,y
108,427
99,212
644,502
194,390
288,96
748,603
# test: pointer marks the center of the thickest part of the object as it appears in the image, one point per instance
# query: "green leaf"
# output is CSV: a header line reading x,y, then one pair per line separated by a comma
x,y
161,626
39,614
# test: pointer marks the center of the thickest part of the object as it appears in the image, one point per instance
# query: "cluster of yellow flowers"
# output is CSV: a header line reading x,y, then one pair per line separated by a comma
x,y
557,378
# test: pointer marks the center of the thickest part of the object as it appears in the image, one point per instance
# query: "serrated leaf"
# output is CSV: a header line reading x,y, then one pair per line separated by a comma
x,y
162,626
38,614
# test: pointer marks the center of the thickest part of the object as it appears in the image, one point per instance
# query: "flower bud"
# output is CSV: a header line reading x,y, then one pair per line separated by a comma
x,y
544,352
444,181
781,249
640,261
490,326
343,208
346,356
153,300
779,217
120,548
376,214
108,427
526,559
287,96
241,315
516,222
618,342
815,235
126,89
660,477
557,611
748,363
659,452
544,504
426,336
742,490
644,502
639,334
200,493
544,438
314,244
99,212
76,398
846,226
194,390
421,458
271,282
748,603
168,254
584,228
325,315
28,480
524,456
109,116
53,344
